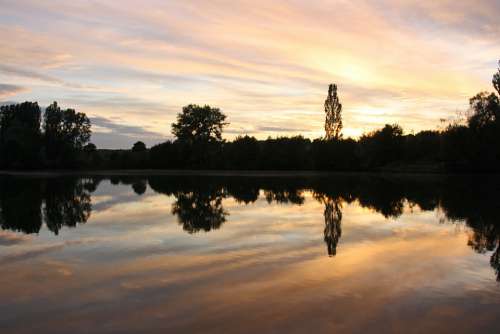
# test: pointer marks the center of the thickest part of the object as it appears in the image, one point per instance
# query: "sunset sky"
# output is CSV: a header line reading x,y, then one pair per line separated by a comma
x,y
131,65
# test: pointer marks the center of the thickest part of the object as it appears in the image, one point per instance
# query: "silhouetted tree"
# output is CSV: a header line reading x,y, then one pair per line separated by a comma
x,y
422,147
333,111
496,79
199,136
485,109
66,132
242,153
286,153
20,135
199,124
139,147
382,146
168,155
90,148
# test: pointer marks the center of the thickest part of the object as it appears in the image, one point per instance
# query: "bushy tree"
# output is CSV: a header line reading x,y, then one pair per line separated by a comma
x,y
139,147
485,108
199,124
65,132
496,79
90,148
242,153
382,146
20,135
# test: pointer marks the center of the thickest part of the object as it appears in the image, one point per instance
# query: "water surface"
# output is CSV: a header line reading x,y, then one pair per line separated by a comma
x,y
246,254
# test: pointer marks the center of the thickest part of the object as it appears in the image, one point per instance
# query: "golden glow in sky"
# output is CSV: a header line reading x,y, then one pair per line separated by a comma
x,y
131,65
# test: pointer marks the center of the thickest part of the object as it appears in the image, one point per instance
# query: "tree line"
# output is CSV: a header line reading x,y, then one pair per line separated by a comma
x,y
60,139
30,140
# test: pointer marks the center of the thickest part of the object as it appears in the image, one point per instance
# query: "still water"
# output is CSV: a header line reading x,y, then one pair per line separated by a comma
x,y
249,254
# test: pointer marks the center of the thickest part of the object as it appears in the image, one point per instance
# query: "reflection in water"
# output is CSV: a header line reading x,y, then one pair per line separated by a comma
x,y
155,250
486,237
284,196
198,202
199,210
28,203
67,203
333,222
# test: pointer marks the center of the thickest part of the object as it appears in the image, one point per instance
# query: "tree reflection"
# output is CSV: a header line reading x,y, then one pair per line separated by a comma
x,y
20,203
140,186
484,238
333,222
198,200
67,203
199,210
283,196
26,204
333,225
495,261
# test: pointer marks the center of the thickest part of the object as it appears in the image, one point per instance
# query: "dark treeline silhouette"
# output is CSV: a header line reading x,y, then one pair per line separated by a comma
x,y
55,139
26,204
469,144
60,139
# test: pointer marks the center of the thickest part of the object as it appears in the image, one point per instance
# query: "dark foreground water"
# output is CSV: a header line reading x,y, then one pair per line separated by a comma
x,y
185,254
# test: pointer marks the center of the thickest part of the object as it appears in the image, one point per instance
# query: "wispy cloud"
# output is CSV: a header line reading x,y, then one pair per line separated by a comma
x,y
7,90
112,134
8,238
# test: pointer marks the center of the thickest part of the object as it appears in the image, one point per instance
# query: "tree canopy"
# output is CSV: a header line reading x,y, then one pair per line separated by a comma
x,y
199,124
139,147
19,134
485,108
66,126
496,79
27,143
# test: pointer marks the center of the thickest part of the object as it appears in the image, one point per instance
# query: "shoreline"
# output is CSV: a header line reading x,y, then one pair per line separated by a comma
x,y
227,173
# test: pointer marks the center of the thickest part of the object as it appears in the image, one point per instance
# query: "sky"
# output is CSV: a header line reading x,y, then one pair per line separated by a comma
x,y
132,65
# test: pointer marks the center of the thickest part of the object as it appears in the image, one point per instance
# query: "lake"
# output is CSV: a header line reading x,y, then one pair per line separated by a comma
x,y
249,254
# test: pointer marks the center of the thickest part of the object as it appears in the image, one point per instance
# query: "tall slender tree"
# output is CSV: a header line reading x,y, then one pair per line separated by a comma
x,y
333,111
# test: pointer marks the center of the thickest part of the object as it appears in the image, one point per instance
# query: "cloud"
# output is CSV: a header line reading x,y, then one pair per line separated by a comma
x,y
14,71
26,73
111,134
10,238
123,129
7,90
30,253
280,129
263,63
